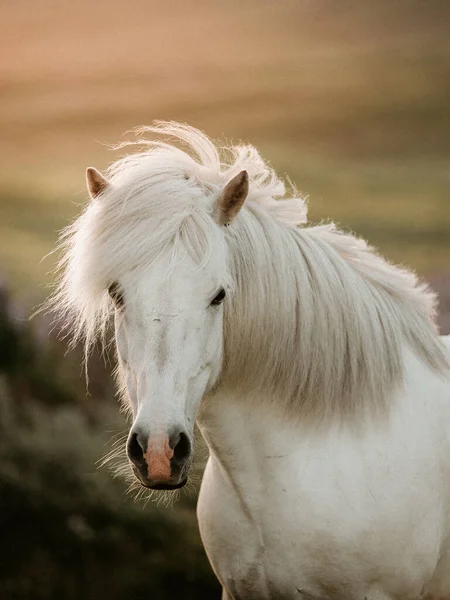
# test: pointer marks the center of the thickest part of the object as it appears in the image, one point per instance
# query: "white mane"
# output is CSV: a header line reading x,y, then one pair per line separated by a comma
x,y
327,317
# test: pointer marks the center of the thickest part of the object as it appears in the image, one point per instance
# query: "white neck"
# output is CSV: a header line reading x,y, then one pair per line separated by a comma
x,y
319,320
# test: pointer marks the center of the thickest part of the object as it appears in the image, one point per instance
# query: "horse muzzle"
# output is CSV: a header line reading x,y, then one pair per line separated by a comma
x,y
160,461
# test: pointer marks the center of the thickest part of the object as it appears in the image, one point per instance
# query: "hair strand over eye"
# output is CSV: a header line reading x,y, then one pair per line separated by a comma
x,y
116,294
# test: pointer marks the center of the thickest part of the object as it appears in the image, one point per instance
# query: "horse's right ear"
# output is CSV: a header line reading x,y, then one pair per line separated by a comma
x,y
96,183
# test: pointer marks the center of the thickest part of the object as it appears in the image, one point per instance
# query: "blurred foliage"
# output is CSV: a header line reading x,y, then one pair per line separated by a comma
x,y
68,530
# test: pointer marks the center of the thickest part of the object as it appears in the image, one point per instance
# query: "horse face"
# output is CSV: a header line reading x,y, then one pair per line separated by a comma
x,y
168,326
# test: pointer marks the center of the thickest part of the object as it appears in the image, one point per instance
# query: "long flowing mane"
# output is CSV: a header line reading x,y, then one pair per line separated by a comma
x,y
316,317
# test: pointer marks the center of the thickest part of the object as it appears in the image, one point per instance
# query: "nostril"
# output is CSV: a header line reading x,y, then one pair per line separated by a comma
x,y
134,449
181,446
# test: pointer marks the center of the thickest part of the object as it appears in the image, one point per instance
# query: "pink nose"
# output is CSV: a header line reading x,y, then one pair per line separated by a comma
x,y
158,456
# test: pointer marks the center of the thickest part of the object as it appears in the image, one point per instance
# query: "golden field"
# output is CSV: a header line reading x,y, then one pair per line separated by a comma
x,y
351,100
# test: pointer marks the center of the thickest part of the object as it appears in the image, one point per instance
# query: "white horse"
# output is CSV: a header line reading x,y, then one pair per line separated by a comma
x,y
312,366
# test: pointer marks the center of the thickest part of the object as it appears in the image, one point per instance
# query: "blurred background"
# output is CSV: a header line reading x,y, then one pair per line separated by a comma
x,y
350,99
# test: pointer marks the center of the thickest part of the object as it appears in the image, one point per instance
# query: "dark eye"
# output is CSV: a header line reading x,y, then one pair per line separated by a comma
x,y
116,294
218,298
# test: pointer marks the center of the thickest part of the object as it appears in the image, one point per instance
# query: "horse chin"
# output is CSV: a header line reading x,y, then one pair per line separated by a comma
x,y
165,486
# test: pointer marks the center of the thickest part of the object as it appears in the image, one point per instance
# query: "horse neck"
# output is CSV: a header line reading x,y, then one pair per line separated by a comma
x,y
320,322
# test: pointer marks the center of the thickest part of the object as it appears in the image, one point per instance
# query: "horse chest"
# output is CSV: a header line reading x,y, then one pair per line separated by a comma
x,y
312,550
332,519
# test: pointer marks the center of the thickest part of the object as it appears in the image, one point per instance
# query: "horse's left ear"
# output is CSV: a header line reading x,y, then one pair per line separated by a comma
x,y
96,183
229,203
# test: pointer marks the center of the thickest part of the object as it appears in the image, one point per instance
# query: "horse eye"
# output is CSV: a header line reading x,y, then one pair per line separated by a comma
x,y
116,294
218,299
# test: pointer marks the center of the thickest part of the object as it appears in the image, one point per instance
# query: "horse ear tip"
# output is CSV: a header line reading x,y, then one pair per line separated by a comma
x,y
244,181
240,181
96,182
92,174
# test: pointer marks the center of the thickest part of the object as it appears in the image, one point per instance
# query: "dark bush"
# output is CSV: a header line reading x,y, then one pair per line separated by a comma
x,y
68,530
